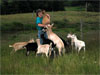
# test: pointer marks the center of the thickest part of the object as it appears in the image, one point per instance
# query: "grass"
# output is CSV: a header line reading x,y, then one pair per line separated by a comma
x,y
68,19
75,8
71,63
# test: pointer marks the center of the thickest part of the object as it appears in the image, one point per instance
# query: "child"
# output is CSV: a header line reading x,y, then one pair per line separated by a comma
x,y
46,18
39,24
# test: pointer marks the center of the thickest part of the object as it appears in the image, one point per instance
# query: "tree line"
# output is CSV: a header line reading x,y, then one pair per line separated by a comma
x,y
23,6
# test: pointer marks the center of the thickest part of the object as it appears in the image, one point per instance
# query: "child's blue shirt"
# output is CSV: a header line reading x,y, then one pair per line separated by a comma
x,y
39,20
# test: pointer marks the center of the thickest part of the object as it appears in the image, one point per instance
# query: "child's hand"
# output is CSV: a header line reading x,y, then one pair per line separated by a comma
x,y
48,16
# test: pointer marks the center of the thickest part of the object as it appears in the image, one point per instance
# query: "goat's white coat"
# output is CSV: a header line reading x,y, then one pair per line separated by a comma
x,y
72,41
78,43
44,48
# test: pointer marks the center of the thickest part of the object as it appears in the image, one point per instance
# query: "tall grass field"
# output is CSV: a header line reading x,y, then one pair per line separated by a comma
x,y
22,27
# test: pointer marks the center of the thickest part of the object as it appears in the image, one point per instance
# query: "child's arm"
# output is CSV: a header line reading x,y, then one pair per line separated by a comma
x,y
41,25
38,22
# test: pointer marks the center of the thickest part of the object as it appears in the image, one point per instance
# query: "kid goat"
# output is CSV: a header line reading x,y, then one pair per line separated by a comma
x,y
72,41
43,48
78,43
48,41
31,47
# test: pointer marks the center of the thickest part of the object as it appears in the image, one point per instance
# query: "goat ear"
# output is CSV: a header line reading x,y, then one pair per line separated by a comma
x,y
46,26
52,24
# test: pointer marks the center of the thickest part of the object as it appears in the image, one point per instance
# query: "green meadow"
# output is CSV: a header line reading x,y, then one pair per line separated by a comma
x,y
22,27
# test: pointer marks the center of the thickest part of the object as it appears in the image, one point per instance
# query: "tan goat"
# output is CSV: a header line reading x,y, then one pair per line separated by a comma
x,y
19,45
52,36
46,48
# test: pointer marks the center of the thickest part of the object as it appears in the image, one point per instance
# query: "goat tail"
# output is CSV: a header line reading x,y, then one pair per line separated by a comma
x,y
10,46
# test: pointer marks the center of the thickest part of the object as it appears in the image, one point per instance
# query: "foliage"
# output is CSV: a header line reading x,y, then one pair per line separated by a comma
x,y
93,6
10,7
14,6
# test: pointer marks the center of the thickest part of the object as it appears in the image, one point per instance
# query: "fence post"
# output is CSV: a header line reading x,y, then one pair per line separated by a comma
x,y
81,28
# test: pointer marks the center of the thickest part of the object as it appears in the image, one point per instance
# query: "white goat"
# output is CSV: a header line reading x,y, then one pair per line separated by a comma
x,y
46,48
72,41
20,45
78,43
52,36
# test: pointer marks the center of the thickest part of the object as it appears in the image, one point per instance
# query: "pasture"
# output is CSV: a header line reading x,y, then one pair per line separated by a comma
x,y
21,27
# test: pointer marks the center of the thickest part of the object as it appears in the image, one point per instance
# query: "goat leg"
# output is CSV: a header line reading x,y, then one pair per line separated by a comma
x,y
27,53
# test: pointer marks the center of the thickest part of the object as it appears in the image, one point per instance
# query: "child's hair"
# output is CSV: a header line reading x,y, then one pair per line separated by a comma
x,y
37,11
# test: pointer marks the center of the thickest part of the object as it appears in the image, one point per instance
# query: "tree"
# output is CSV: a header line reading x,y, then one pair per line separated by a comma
x,y
14,6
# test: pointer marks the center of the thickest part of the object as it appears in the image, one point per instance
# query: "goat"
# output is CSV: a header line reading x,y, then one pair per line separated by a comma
x,y
47,41
78,43
20,45
72,41
43,48
52,36
31,47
